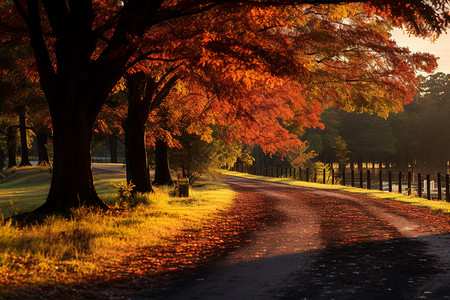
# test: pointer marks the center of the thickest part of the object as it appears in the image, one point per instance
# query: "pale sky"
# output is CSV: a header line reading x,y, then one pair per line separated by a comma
x,y
440,48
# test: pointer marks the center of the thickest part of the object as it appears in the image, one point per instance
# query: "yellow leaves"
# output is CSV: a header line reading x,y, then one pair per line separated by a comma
x,y
120,86
198,128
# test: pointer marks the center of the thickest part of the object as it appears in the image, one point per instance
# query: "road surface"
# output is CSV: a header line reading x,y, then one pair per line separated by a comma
x,y
328,245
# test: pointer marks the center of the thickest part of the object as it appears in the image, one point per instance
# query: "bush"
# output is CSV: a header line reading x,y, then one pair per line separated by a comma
x,y
318,168
123,192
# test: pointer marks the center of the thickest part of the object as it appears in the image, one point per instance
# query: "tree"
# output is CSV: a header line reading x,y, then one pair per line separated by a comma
x,y
82,49
342,153
20,93
145,94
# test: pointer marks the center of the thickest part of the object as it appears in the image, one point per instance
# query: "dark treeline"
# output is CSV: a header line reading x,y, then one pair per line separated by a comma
x,y
417,137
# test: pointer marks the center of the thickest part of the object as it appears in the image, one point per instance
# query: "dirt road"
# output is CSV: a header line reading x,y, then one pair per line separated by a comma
x,y
329,245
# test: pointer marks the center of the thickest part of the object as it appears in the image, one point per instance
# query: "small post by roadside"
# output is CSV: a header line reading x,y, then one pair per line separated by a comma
x,y
419,185
447,183
380,178
368,179
361,179
400,182
409,183
439,186
428,187
390,181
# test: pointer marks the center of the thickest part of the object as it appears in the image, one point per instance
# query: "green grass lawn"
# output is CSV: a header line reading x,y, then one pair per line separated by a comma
x,y
441,206
66,250
26,188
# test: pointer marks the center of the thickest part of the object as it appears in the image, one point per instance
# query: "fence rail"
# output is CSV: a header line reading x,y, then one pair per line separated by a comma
x,y
95,159
430,186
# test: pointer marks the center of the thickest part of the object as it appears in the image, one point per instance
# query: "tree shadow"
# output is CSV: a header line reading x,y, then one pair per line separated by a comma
x,y
401,268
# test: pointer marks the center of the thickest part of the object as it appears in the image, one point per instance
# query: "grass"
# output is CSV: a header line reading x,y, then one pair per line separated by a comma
x,y
26,188
67,250
440,206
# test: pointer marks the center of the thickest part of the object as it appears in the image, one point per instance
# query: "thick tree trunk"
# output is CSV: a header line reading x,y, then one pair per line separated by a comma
x,y
41,136
23,139
72,181
135,153
113,147
162,171
11,146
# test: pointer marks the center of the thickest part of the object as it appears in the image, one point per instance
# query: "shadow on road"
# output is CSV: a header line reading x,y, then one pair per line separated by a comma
x,y
388,269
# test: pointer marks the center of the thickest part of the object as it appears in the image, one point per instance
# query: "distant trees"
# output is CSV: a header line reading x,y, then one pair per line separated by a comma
x,y
418,135
21,100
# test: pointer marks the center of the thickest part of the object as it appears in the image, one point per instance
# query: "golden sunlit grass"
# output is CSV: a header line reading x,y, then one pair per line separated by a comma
x,y
66,250
441,206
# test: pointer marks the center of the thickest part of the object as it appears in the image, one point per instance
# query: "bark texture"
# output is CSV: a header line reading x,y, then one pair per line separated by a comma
x,y
162,170
42,140
23,139
72,181
11,146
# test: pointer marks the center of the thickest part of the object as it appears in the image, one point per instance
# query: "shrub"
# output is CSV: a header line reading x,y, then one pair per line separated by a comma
x,y
318,168
123,192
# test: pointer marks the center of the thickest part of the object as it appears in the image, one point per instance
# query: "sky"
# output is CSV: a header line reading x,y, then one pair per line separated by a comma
x,y
440,48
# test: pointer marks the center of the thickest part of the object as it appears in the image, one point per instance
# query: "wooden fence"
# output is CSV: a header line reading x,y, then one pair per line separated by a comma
x,y
430,186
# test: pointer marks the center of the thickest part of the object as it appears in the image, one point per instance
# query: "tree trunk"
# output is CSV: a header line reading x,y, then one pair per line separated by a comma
x,y
2,160
23,139
162,171
72,181
11,146
113,147
135,152
41,136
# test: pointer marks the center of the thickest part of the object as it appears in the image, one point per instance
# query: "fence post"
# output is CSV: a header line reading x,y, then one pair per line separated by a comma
x,y
343,177
352,177
400,182
419,184
428,187
439,186
390,181
361,179
368,179
409,183
447,192
332,176
324,176
380,177
307,174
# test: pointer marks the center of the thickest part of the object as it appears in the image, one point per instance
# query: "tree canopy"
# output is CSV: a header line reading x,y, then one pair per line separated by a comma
x,y
260,61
